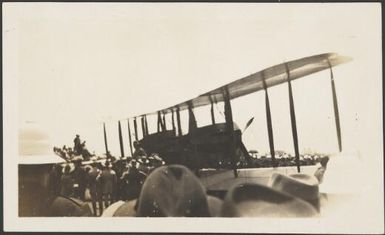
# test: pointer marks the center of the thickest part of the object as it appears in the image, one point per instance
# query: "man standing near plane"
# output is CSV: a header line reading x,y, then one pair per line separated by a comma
x,y
139,151
77,145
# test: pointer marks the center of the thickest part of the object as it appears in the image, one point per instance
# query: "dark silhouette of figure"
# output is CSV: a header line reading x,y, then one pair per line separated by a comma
x,y
77,145
55,180
139,151
93,187
107,181
67,183
80,180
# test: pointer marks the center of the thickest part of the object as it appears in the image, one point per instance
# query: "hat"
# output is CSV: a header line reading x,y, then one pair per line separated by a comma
x,y
77,158
173,191
70,165
302,186
35,147
121,209
255,200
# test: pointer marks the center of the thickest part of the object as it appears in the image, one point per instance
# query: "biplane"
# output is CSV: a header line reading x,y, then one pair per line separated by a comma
x,y
205,147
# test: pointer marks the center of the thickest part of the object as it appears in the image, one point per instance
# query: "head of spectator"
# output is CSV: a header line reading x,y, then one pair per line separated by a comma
x,y
136,144
303,186
173,191
57,169
255,200
67,169
106,164
87,168
77,162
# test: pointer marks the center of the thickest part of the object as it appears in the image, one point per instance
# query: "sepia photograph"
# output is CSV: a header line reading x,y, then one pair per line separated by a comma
x,y
193,117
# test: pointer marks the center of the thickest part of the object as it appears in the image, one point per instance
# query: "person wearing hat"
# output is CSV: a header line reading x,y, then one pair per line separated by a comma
x,y
169,191
55,179
256,200
79,176
67,182
92,185
139,151
77,145
108,181
35,160
303,186
135,179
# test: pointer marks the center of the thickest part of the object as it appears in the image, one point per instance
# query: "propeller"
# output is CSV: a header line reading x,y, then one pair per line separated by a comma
x,y
248,124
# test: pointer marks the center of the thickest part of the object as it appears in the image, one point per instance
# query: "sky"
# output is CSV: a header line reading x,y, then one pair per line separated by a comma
x,y
80,65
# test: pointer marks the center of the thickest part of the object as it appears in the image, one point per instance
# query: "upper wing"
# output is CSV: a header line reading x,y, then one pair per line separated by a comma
x,y
273,76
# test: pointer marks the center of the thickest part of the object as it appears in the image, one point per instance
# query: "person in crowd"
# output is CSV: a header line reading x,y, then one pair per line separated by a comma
x,y
36,200
84,152
80,179
124,184
107,179
55,179
119,168
139,151
92,185
77,145
35,162
319,174
108,155
67,182
135,178
169,191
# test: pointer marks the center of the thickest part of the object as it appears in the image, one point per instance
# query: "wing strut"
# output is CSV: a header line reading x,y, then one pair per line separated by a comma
x,y
173,121
129,136
293,119
136,129
146,124
212,111
120,140
230,130
269,122
192,120
105,137
335,105
178,121
143,127
159,121
164,122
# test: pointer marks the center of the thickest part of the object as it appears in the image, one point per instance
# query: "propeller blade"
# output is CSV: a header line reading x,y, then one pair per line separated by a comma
x,y
248,124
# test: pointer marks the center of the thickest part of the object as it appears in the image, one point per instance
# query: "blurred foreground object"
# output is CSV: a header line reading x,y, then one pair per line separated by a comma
x,y
36,159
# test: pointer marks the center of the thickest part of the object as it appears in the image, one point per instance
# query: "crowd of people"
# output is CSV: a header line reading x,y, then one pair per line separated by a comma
x,y
175,191
79,149
281,160
143,185
101,181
